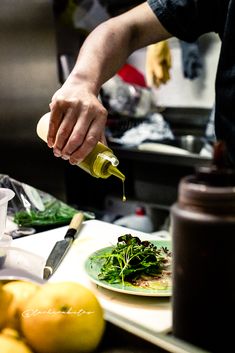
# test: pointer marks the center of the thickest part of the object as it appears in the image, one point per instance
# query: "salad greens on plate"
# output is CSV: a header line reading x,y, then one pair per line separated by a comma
x,y
132,263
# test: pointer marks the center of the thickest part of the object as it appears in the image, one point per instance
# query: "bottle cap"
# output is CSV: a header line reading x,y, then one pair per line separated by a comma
x,y
219,173
212,187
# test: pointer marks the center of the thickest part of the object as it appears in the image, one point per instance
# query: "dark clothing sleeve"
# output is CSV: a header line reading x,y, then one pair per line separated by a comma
x,y
188,19
116,7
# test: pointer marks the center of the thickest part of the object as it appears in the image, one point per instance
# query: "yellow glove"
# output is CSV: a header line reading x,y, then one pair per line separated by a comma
x,y
158,64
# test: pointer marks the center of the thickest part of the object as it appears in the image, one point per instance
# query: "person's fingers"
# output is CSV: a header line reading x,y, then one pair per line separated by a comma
x,y
103,139
64,131
76,137
54,123
88,113
59,105
76,125
94,134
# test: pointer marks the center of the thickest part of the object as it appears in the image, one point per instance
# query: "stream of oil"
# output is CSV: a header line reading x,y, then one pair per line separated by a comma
x,y
123,191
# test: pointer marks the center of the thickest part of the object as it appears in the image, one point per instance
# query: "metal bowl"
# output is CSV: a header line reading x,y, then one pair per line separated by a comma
x,y
193,144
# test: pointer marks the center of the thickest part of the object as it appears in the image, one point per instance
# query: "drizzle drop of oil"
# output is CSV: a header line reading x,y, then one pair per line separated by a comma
x,y
123,191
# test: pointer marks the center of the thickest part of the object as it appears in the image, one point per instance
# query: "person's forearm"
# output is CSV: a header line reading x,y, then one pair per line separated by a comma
x,y
78,118
107,48
100,57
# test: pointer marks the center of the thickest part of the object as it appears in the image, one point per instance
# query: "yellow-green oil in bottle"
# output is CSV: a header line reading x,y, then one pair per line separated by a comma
x,y
100,162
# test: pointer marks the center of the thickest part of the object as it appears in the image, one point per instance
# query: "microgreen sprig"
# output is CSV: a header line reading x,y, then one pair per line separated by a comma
x,y
132,258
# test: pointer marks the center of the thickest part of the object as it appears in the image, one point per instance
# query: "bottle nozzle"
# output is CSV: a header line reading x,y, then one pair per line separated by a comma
x,y
116,172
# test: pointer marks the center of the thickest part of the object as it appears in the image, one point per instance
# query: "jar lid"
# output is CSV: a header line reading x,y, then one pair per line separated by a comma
x,y
193,193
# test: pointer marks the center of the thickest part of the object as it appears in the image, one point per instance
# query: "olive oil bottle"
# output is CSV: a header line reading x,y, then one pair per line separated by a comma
x,y
100,162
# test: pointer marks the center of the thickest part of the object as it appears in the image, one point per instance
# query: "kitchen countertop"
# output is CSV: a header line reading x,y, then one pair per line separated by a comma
x,y
149,312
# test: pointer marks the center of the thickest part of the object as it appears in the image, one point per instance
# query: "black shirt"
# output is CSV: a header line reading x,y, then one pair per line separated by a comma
x,y
188,20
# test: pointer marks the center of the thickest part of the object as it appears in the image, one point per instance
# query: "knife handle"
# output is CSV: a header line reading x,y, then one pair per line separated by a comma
x,y
74,225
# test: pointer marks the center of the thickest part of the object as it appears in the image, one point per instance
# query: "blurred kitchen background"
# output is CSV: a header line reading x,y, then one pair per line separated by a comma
x,y
39,43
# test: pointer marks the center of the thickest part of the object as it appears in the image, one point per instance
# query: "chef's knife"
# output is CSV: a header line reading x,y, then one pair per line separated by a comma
x,y
61,247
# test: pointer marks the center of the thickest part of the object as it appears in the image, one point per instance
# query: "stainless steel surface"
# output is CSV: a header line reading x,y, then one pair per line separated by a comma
x,y
28,67
190,143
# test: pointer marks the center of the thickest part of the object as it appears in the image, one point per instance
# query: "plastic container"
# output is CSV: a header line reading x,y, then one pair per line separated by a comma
x,y
5,196
138,221
100,163
203,234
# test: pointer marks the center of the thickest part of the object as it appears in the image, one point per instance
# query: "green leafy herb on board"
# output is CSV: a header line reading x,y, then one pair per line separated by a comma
x,y
135,261
55,212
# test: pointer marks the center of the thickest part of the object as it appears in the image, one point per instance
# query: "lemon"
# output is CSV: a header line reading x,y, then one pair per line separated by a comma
x,y
5,300
63,317
20,291
8,331
10,345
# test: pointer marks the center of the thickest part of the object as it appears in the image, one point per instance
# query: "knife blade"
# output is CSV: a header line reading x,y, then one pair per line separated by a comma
x,y
61,247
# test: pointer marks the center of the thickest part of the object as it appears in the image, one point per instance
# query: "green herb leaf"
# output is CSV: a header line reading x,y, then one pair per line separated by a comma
x,y
132,259
55,213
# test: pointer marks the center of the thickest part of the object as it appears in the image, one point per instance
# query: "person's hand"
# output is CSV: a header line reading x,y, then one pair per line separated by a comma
x,y
158,64
77,122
